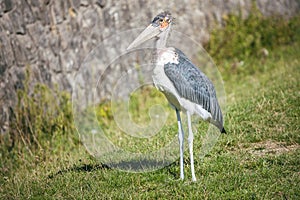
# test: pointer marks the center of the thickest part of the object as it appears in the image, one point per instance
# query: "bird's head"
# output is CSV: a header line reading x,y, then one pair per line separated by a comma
x,y
160,24
162,20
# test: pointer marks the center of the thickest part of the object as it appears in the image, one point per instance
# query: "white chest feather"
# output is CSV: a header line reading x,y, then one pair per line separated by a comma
x,y
165,56
160,79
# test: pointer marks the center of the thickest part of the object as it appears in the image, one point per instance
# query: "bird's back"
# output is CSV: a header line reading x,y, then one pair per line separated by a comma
x,y
193,85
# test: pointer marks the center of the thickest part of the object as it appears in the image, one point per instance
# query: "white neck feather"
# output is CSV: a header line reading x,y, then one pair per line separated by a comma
x,y
162,40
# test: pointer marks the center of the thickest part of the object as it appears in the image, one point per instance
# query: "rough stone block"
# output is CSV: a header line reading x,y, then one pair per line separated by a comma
x,y
17,21
19,52
6,53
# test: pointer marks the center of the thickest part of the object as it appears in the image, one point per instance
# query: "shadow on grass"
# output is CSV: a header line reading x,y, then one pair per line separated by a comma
x,y
80,168
134,166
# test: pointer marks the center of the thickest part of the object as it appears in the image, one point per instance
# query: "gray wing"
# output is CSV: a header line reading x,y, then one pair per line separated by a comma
x,y
192,84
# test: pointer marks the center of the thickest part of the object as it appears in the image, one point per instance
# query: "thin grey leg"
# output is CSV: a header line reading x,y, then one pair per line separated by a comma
x,y
190,141
180,138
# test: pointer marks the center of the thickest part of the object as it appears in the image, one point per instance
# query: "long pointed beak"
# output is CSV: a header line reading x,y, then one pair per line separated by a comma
x,y
150,32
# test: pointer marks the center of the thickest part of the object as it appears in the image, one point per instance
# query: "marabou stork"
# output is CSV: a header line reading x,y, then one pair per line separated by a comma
x,y
186,87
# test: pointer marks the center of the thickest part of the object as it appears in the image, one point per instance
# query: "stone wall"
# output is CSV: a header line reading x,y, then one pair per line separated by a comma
x,y
52,37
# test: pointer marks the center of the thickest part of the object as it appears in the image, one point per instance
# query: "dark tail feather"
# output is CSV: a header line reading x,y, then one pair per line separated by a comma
x,y
223,130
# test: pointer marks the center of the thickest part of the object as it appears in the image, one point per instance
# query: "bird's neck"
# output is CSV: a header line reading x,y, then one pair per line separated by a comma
x,y
161,42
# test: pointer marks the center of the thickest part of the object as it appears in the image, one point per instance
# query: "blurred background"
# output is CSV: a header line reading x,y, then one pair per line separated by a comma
x,y
51,38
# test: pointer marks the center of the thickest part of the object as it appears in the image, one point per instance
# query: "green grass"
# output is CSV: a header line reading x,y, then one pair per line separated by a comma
x,y
259,158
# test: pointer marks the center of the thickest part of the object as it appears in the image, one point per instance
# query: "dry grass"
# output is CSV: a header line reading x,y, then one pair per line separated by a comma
x,y
267,148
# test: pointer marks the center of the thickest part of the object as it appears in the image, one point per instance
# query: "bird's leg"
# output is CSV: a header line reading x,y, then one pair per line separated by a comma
x,y
190,141
180,138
